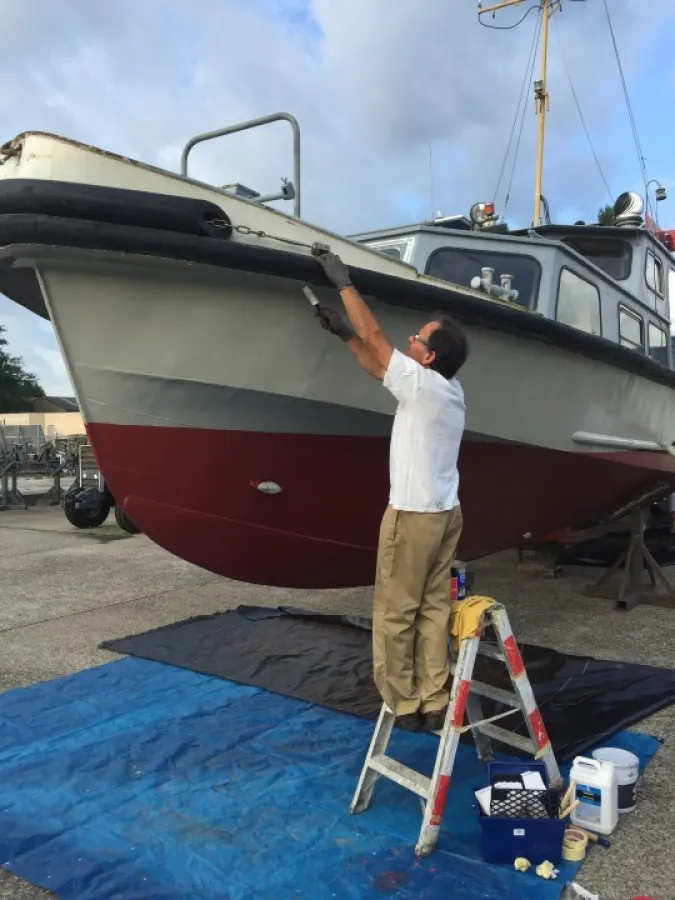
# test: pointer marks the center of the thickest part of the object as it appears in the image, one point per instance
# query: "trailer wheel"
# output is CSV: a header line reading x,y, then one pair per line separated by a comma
x,y
84,518
124,521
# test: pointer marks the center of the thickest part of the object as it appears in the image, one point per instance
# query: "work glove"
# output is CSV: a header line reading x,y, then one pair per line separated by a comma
x,y
336,271
333,322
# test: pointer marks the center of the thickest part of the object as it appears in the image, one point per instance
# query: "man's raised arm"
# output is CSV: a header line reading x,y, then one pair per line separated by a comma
x,y
332,321
365,324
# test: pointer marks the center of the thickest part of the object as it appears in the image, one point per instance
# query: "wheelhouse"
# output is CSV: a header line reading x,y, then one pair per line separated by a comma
x,y
615,282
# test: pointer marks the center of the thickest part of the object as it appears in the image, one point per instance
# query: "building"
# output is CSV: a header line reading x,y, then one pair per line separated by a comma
x,y
59,417
55,404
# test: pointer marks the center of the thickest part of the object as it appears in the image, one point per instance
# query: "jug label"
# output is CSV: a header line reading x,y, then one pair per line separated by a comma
x,y
590,795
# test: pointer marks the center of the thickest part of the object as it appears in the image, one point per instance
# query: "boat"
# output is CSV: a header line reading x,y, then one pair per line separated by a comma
x,y
239,436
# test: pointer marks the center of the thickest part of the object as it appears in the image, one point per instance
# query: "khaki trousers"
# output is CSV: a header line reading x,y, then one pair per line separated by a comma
x,y
411,608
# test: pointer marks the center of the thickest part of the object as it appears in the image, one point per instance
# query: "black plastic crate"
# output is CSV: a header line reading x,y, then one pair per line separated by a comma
x,y
525,804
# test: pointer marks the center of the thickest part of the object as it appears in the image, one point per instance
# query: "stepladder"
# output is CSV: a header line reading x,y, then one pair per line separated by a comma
x,y
464,713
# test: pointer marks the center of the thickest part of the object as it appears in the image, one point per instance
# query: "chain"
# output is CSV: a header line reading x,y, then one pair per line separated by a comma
x,y
245,230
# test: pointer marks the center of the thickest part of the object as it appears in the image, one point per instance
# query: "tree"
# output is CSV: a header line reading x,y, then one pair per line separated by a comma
x,y
606,215
18,388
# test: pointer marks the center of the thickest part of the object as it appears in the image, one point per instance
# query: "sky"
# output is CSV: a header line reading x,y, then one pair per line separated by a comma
x,y
405,106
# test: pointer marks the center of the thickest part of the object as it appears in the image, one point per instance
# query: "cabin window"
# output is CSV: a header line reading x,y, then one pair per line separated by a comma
x,y
578,303
393,249
658,349
394,252
631,329
460,265
654,274
609,254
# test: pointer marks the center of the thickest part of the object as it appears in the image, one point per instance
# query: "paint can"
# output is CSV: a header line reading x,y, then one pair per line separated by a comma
x,y
458,581
627,767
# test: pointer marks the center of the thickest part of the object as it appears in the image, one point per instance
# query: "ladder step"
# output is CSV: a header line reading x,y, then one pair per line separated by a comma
x,y
508,737
492,651
495,693
406,777
508,698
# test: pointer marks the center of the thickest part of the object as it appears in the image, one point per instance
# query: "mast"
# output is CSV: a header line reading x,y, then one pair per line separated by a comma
x,y
547,8
541,107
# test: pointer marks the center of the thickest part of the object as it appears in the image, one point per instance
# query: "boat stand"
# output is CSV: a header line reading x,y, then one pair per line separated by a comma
x,y
54,495
10,495
632,589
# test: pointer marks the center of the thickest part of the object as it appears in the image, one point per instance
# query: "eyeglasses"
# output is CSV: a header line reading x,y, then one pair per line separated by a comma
x,y
416,337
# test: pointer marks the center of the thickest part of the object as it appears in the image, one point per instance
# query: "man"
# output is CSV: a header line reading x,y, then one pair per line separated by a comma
x,y
422,524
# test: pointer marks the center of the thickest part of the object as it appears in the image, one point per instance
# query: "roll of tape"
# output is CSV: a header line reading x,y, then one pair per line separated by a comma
x,y
575,843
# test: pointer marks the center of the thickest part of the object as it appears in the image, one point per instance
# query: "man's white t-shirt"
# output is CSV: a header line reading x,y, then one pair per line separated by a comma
x,y
425,439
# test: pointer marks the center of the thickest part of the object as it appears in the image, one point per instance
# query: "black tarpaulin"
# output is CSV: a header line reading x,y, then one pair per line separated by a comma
x,y
327,660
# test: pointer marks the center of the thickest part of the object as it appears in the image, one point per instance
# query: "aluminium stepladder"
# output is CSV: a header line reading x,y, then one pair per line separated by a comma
x,y
465,697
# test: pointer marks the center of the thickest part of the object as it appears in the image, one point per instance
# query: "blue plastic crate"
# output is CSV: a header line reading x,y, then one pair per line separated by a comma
x,y
503,840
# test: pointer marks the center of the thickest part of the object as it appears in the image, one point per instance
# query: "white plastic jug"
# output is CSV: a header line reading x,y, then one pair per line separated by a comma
x,y
596,791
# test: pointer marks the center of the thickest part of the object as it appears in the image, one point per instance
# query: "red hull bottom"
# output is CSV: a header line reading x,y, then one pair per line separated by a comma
x,y
194,493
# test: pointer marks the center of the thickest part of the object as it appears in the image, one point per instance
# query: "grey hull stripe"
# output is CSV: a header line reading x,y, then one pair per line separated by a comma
x,y
121,398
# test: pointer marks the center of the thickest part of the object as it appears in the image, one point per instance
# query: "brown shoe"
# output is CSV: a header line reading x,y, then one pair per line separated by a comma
x,y
434,721
410,722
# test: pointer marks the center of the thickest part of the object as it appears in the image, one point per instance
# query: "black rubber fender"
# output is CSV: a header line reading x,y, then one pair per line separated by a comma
x,y
115,206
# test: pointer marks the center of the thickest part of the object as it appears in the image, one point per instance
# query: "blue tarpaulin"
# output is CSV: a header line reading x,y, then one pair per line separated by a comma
x,y
142,781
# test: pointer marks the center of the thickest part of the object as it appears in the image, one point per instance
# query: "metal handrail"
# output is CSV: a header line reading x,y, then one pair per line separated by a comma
x,y
244,126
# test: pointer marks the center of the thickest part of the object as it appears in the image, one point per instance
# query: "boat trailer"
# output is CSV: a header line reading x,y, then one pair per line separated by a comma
x,y
88,501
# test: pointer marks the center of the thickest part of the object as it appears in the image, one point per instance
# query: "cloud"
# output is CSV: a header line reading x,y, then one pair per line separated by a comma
x,y
50,360
374,84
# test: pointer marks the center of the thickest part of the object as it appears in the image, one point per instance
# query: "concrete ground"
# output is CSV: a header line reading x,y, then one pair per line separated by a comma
x,y
64,591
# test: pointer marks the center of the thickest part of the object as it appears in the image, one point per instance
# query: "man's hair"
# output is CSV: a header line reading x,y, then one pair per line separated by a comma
x,y
450,345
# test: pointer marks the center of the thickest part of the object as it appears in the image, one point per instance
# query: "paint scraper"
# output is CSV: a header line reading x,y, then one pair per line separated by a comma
x,y
311,296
